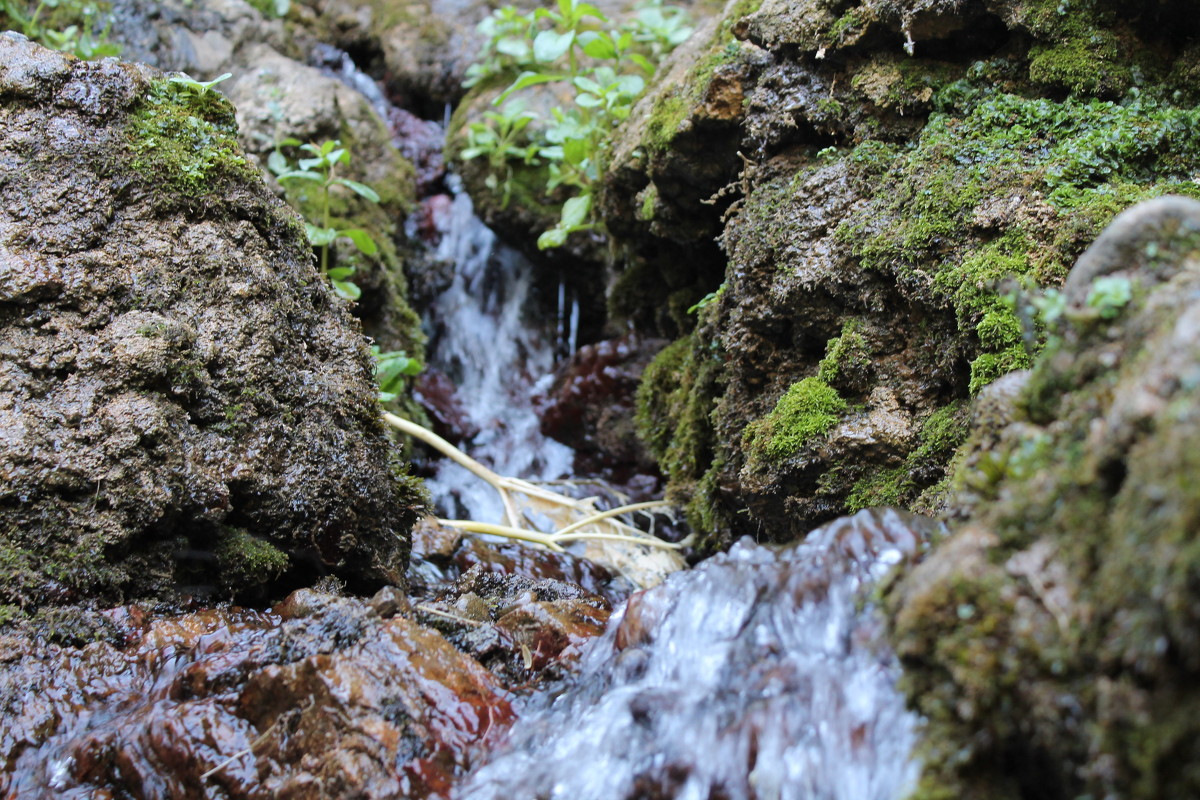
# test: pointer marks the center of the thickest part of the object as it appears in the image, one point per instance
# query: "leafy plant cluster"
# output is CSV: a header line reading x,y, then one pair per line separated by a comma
x,y
320,167
73,26
604,67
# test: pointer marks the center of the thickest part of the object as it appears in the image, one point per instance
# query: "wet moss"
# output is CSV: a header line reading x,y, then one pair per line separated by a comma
x,y
247,561
184,141
809,408
675,401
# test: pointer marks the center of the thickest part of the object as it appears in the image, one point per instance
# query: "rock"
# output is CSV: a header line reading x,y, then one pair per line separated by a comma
x,y
279,96
865,243
185,404
331,702
590,407
1051,642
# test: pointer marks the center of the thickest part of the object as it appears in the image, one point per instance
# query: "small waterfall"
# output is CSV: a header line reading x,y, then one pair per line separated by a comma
x,y
485,335
758,675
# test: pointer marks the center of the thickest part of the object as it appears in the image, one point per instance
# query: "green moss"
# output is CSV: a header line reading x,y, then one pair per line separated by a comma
x,y
673,103
1085,66
848,352
184,141
247,561
674,418
941,433
1082,160
809,408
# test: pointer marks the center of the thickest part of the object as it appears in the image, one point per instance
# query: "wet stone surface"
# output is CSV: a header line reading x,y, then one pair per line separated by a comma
x,y
321,696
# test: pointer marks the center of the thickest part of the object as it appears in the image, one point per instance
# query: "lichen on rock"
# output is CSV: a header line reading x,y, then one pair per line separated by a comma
x,y
174,366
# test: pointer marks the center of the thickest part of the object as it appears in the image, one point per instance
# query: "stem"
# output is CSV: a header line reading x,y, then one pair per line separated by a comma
x,y
507,531
612,512
325,220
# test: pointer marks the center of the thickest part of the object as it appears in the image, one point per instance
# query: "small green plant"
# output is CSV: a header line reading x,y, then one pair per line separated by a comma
x,y
72,26
321,168
391,369
1110,294
499,138
195,88
606,69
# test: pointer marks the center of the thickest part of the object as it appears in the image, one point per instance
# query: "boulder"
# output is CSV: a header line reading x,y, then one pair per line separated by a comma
x,y
1051,642
185,406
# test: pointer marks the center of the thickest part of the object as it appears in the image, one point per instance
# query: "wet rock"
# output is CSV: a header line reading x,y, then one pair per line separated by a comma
x,y
185,407
326,701
521,628
590,407
1051,641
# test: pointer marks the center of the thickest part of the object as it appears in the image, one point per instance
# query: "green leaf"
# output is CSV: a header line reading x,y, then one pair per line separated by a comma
x,y
319,237
549,46
575,151
301,174
362,240
361,189
346,290
598,44
575,210
514,47
555,237
527,79
588,101
340,273
277,162
290,142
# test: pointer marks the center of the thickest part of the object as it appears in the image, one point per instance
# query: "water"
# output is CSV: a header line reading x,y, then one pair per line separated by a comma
x,y
488,337
759,675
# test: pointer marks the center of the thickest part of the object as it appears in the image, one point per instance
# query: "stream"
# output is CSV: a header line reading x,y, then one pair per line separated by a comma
x,y
505,671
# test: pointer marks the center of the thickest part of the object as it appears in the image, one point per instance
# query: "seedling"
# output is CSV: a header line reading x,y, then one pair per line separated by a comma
x,y
321,168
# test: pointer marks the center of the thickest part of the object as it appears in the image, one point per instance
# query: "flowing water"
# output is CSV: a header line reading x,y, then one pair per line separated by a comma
x,y
486,335
761,674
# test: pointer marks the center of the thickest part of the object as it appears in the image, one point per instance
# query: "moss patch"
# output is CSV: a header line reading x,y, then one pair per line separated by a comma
x,y
809,408
674,418
247,561
1001,186
184,141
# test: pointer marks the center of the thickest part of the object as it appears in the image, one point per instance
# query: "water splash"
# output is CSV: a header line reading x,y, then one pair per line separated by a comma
x,y
486,336
761,674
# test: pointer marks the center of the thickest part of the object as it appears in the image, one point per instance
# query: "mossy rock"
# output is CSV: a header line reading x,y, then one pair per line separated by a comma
x,y
176,366
1078,576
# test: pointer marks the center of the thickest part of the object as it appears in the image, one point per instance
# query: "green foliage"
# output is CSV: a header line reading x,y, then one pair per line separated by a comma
x,y
391,369
320,168
809,408
1109,294
605,69
73,26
